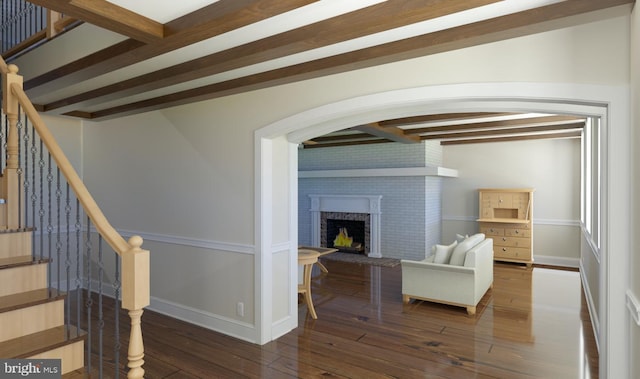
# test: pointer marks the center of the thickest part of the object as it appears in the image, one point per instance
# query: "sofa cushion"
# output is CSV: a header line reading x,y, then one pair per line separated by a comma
x,y
443,253
460,252
460,238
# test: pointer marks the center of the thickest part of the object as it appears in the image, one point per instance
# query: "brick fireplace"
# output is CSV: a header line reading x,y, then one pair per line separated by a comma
x,y
365,208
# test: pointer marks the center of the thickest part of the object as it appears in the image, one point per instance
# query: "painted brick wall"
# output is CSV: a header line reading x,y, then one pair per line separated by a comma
x,y
411,206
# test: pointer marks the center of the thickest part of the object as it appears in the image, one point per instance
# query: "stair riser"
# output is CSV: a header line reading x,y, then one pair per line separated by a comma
x,y
32,319
21,279
15,244
72,356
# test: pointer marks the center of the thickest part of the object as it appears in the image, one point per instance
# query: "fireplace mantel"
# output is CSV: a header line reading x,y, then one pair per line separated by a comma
x,y
369,204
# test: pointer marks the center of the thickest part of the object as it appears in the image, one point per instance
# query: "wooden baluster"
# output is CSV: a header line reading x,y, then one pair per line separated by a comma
x,y
135,296
11,182
136,346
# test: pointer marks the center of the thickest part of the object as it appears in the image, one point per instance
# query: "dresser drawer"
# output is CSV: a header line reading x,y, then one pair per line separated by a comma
x,y
512,242
491,231
511,252
518,232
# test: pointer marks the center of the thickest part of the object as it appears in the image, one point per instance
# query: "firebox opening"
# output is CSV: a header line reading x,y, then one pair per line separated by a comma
x,y
346,235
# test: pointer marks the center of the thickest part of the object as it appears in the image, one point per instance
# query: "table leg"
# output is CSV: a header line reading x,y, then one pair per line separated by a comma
x,y
322,268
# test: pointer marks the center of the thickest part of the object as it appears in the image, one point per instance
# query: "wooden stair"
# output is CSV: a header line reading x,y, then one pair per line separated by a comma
x,y
31,314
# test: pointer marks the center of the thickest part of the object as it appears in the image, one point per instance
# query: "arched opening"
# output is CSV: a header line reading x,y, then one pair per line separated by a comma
x,y
276,186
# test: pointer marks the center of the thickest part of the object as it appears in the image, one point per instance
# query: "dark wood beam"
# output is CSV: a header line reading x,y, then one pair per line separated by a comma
x,y
391,133
109,16
215,19
499,124
348,143
577,134
502,132
496,29
374,19
404,121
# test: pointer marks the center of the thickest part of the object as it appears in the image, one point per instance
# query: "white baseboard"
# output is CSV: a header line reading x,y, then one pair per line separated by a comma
x,y
556,261
224,325
633,305
283,326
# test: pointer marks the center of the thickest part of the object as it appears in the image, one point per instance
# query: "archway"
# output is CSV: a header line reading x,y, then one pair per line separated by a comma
x,y
276,187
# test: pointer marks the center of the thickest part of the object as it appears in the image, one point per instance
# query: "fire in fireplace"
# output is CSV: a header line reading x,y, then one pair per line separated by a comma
x,y
346,235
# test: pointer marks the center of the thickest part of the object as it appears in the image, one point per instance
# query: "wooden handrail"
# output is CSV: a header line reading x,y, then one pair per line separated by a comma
x,y
111,236
3,67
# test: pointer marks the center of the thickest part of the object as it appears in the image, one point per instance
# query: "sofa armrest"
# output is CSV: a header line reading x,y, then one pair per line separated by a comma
x,y
438,282
440,267
481,257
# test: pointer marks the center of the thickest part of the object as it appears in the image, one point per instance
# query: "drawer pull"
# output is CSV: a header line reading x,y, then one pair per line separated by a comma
x,y
504,239
491,230
504,249
517,231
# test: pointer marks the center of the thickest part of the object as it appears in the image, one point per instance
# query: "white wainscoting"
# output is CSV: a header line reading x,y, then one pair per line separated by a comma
x,y
633,305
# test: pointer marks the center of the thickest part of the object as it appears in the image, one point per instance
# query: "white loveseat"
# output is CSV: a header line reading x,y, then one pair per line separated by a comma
x,y
462,280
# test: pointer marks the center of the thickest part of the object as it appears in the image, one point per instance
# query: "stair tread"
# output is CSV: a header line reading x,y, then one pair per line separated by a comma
x,y
29,298
18,230
22,260
39,342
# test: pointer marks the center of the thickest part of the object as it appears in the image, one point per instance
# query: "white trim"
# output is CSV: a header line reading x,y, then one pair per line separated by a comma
x,y
595,251
556,261
234,328
263,262
633,305
279,247
536,221
593,310
289,323
192,242
380,172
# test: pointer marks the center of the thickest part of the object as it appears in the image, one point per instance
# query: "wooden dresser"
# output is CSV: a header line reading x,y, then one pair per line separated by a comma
x,y
505,216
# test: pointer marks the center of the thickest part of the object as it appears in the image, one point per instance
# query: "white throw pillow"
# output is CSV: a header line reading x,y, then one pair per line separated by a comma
x,y
460,238
460,252
443,253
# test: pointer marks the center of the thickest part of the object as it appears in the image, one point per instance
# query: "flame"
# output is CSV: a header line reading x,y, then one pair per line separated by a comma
x,y
343,239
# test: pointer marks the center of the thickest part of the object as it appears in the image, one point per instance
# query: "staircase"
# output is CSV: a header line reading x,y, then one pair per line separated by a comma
x,y
31,314
54,242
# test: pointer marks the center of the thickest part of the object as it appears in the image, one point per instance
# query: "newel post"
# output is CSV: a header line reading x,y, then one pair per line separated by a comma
x,y
135,296
11,182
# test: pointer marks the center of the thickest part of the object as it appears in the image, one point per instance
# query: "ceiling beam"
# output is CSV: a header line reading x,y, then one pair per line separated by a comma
x,y
576,134
389,132
498,124
347,143
422,119
215,19
500,28
501,132
109,16
373,19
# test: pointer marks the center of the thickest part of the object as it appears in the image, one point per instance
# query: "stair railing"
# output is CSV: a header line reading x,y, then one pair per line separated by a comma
x,y
135,271
25,25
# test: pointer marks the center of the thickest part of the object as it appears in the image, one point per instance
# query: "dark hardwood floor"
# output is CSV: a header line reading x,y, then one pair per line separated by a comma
x,y
532,324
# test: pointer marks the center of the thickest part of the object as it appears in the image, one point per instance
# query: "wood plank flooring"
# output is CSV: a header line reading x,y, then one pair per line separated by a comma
x,y
532,324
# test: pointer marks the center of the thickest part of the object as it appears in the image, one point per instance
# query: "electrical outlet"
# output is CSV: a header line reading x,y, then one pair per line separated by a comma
x,y
240,309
